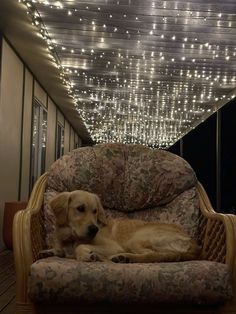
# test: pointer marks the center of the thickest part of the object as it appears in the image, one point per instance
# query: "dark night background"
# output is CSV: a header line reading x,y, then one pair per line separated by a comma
x,y
210,149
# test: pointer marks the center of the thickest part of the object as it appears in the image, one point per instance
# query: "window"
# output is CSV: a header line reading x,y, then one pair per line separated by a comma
x,y
39,138
60,141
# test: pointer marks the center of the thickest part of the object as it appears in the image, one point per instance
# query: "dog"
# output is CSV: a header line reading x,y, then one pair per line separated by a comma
x,y
83,232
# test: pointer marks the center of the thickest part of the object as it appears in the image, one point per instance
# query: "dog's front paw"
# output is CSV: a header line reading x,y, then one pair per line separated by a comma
x,y
50,253
93,257
120,258
89,257
84,253
46,253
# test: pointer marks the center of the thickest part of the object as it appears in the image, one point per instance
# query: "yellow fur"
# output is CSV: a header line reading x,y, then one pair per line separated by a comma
x,y
117,240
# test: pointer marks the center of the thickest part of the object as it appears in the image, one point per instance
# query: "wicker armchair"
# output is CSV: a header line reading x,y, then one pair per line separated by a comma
x,y
217,236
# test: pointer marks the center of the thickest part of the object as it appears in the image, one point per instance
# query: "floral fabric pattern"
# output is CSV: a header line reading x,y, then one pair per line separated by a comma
x,y
57,280
133,179
183,211
154,177
49,218
136,182
126,177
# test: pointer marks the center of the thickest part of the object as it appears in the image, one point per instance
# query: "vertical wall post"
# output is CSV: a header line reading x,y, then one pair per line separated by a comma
x,y
181,147
21,136
31,137
218,160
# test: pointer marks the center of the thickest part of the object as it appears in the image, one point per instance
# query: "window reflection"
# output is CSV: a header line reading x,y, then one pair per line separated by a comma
x,y
60,141
39,139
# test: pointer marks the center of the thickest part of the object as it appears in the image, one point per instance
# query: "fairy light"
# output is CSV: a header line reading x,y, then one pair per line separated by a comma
x,y
148,95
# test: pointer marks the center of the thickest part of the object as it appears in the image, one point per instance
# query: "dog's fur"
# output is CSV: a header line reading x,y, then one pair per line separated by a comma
x,y
83,232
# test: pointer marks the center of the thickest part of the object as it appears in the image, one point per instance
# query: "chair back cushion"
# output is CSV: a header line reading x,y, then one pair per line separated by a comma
x,y
126,177
129,178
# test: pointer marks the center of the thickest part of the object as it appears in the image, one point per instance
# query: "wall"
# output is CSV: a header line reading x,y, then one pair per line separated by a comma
x,y
18,88
12,71
211,149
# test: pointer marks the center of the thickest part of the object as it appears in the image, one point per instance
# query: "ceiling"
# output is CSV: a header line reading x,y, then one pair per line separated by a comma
x,y
16,26
139,71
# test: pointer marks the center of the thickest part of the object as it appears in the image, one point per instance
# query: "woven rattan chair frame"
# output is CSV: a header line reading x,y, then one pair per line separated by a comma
x,y
217,236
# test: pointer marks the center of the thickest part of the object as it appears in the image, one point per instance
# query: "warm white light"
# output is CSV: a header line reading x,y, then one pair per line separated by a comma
x,y
145,94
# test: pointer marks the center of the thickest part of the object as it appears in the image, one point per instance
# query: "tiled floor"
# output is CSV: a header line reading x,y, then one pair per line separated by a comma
x,y
7,283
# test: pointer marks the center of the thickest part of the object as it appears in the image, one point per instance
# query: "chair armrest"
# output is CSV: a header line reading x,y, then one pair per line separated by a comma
x,y
218,239
217,233
28,237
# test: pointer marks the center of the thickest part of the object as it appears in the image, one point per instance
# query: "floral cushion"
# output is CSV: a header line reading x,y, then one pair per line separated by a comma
x,y
183,211
57,280
126,177
131,179
138,182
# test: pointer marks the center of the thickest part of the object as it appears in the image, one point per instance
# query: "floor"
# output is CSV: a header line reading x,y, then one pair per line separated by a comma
x,y
7,283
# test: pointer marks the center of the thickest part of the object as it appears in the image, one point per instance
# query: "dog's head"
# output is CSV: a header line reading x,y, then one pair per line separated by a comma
x,y
80,210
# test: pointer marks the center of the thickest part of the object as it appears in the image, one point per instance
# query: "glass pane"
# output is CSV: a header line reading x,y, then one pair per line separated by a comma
x,y
35,141
43,141
60,141
227,160
199,149
58,155
39,139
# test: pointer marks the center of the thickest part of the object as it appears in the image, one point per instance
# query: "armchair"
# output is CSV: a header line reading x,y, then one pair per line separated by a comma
x,y
138,182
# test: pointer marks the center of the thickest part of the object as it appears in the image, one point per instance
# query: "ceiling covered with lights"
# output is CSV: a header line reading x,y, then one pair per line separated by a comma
x,y
141,71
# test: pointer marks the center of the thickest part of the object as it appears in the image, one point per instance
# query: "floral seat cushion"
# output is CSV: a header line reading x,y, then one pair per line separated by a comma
x,y
56,280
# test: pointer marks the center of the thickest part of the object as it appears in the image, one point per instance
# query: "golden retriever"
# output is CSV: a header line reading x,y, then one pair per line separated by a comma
x,y
84,232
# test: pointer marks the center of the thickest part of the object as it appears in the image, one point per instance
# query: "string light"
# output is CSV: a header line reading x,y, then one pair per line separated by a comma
x,y
144,94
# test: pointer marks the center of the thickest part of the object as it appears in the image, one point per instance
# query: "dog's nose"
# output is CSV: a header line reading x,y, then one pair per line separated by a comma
x,y
92,230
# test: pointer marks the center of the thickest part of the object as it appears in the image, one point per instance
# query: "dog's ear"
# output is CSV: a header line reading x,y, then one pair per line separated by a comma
x,y
59,205
101,213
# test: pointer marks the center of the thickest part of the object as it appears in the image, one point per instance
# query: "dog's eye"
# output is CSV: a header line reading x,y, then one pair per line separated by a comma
x,y
81,208
95,211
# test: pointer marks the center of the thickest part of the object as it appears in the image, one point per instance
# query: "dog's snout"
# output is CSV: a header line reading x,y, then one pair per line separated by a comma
x,y
92,230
